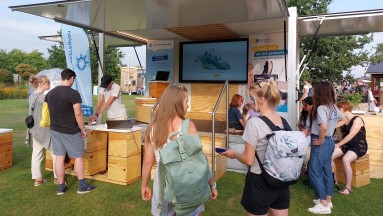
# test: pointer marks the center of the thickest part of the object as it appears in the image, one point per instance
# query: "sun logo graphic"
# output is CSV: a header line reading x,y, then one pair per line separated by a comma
x,y
81,62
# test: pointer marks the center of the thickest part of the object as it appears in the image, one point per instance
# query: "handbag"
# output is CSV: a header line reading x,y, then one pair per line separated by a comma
x,y
29,120
45,117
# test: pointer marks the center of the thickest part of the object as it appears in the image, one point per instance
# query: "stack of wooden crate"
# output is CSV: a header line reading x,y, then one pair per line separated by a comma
x,y
360,171
124,161
6,140
95,152
144,108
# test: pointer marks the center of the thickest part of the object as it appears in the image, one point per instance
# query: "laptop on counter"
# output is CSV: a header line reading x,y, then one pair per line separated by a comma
x,y
162,75
119,124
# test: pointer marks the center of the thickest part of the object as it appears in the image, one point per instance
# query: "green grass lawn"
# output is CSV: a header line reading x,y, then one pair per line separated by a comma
x,y
18,196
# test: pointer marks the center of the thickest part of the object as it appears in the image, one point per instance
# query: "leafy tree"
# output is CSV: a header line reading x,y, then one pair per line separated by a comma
x,y
15,57
6,76
36,60
332,55
25,71
378,55
56,57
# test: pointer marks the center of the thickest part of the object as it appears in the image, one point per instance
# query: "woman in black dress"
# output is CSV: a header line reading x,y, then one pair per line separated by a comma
x,y
353,144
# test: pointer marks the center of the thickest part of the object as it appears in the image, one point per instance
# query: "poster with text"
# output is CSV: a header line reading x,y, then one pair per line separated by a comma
x,y
267,60
159,57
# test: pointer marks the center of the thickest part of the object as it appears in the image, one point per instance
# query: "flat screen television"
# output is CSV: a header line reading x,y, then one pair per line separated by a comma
x,y
214,61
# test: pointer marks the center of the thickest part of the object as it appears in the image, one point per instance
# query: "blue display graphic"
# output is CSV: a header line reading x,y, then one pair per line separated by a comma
x,y
214,61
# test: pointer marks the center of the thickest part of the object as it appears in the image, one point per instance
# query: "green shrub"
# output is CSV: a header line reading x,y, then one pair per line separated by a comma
x,y
353,97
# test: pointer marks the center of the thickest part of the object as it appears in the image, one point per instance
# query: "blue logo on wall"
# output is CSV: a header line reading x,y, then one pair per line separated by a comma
x,y
81,62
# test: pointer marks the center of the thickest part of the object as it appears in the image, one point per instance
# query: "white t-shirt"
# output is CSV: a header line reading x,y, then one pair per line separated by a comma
x,y
255,134
306,89
117,108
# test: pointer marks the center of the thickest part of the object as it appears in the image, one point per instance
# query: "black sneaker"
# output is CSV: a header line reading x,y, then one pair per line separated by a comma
x,y
61,189
86,189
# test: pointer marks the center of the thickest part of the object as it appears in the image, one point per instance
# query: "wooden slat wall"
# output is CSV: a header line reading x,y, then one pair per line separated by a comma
x,y
205,32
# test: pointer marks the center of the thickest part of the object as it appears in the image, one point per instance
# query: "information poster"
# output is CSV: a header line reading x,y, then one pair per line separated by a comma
x,y
267,61
159,57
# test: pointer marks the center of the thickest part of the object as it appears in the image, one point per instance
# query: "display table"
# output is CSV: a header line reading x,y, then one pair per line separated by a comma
x,y
111,155
156,88
6,140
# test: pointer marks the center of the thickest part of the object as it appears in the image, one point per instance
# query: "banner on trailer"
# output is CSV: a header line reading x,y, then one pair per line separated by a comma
x,y
267,61
159,57
77,56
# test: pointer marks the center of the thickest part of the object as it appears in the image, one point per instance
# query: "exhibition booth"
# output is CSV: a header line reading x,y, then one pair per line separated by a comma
x,y
201,44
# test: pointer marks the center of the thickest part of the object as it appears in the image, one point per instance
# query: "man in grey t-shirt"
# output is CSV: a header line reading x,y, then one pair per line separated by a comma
x,y
110,99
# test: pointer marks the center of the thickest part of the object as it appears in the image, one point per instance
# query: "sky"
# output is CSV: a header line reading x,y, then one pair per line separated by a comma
x,y
21,30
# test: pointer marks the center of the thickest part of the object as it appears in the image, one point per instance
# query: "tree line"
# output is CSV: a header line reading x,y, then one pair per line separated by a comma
x,y
25,64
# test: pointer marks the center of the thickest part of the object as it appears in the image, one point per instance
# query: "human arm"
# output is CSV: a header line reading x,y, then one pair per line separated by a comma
x,y
149,156
79,118
246,157
356,126
322,134
245,118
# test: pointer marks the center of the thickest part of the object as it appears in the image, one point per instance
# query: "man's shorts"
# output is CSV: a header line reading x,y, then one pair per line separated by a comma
x,y
73,144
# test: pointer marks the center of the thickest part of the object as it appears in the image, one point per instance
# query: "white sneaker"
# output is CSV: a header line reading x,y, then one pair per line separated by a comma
x,y
320,209
316,201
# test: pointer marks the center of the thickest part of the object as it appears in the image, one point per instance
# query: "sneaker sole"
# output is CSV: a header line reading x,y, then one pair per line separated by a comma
x,y
317,203
60,193
84,192
320,212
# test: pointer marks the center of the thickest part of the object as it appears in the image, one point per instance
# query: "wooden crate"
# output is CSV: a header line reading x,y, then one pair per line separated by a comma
x,y
124,144
143,113
5,155
6,140
156,88
96,141
220,165
206,116
360,171
95,162
123,169
49,162
206,140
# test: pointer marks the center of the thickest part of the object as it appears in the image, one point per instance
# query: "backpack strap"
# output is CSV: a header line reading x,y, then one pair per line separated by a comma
x,y
273,127
185,126
161,186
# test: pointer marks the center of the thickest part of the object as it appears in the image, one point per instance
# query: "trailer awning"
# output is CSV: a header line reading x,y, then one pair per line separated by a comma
x,y
141,20
346,23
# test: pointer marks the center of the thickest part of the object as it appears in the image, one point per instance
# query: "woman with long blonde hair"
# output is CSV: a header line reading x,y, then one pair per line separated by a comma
x,y
260,198
41,136
167,119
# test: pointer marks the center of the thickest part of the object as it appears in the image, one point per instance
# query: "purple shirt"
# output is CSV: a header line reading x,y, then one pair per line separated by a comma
x,y
253,113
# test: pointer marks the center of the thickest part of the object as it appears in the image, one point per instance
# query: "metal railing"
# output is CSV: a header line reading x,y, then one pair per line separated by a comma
x,y
225,86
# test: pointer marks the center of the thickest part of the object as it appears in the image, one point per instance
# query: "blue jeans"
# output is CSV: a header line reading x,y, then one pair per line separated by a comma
x,y
319,170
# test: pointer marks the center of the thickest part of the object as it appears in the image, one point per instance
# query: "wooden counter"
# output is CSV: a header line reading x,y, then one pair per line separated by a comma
x,y
144,108
6,140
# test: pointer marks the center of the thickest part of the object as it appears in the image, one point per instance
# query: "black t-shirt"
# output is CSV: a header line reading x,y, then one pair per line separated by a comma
x,y
363,90
60,103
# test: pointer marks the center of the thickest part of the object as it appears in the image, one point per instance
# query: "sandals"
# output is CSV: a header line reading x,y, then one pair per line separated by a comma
x,y
40,182
346,191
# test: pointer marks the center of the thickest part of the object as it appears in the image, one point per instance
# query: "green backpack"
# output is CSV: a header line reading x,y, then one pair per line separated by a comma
x,y
183,172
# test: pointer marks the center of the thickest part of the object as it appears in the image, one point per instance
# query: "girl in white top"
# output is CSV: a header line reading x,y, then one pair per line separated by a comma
x,y
168,118
264,198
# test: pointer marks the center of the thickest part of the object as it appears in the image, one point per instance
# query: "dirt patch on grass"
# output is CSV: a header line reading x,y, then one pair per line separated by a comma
x,y
234,200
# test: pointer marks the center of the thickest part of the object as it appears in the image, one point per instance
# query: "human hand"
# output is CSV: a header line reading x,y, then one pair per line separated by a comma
x,y
338,145
230,153
306,131
84,134
316,142
146,193
214,193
